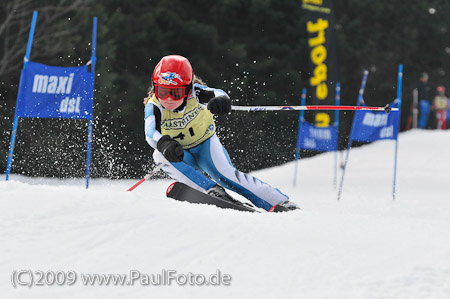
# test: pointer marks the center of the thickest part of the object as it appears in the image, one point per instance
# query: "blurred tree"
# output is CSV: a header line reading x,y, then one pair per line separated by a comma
x,y
15,25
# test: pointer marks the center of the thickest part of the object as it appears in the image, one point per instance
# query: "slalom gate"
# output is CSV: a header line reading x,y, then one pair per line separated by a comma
x,y
55,92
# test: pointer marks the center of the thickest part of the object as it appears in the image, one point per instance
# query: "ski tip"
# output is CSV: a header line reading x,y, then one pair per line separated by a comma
x,y
170,188
280,208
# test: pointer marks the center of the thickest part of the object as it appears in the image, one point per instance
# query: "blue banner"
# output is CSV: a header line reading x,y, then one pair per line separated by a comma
x,y
317,138
371,126
55,92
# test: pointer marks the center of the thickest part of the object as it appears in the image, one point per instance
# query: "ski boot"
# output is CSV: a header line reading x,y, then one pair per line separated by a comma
x,y
219,192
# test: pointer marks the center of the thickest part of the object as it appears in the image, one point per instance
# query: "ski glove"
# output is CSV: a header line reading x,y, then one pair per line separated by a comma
x,y
219,105
170,148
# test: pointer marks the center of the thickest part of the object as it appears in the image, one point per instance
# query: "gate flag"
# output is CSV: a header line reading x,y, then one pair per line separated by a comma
x,y
55,92
372,126
317,138
369,126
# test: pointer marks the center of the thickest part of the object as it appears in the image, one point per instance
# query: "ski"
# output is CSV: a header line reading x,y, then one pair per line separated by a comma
x,y
183,192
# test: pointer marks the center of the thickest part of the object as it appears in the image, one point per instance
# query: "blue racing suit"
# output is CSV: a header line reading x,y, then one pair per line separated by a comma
x,y
192,125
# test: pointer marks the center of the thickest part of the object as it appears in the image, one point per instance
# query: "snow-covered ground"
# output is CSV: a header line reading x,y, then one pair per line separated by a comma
x,y
364,246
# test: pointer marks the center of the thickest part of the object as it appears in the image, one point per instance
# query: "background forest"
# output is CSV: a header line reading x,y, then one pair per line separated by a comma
x,y
256,50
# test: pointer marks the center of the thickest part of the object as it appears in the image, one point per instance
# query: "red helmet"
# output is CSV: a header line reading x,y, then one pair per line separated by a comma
x,y
441,89
172,80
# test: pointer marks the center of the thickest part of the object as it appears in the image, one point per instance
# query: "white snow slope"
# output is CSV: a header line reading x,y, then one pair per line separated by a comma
x,y
364,246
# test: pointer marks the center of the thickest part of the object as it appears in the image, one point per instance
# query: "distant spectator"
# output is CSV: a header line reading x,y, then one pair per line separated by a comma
x,y
448,115
440,107
424,100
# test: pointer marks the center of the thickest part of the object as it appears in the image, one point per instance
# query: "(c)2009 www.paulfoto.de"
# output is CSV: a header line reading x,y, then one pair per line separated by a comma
x,y
30,278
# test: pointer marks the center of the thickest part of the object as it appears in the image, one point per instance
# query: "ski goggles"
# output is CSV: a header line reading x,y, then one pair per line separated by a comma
x,y
176,93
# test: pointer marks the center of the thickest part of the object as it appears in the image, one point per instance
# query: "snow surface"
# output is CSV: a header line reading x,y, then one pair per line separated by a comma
x,y
364,246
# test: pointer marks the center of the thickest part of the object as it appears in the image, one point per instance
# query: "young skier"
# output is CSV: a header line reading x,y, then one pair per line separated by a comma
x,y
179,125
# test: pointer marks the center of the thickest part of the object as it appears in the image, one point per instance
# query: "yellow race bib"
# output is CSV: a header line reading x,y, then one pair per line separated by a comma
x,y
190,127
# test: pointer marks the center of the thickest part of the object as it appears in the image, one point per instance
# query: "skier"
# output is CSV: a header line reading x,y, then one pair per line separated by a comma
x,y
179,125
440,106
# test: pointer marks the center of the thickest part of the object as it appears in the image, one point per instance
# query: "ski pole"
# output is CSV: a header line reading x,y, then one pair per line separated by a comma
x,y
386,108
148,176
349,146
